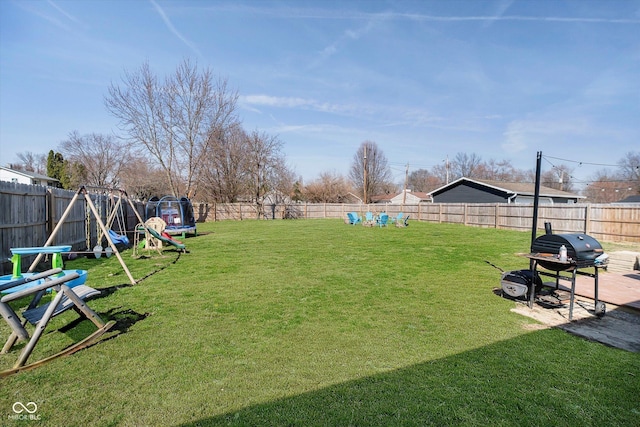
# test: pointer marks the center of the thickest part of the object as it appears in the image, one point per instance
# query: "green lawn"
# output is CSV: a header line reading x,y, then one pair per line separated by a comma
x,y
315,322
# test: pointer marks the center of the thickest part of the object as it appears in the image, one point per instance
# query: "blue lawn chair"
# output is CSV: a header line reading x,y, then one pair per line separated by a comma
x,y
354,218
397,218
382,221
369,219
404,223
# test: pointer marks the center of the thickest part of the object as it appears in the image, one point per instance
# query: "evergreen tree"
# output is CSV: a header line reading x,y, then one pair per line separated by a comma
x,y
57,168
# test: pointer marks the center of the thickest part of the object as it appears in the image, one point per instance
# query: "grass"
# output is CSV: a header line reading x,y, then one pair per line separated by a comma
x,y
322,323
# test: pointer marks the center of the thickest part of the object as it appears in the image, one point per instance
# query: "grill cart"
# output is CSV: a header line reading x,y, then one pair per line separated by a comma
x,y
582,252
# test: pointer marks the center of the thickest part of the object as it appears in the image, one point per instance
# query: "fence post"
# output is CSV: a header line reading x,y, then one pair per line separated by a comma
x,y
496,215
50,210
587,219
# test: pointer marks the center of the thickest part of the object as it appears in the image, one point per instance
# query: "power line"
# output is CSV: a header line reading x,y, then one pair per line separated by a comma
x,y
579,162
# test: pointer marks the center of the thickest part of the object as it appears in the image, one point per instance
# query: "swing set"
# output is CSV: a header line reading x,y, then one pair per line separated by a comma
x,y
103,229
115,208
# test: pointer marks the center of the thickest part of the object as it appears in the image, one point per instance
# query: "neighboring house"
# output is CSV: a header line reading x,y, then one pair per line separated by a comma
x,y
630,199
467,190
24,177
411,198
382,198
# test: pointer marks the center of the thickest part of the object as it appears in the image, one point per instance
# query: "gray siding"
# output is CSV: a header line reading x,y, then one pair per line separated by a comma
x,y
469,192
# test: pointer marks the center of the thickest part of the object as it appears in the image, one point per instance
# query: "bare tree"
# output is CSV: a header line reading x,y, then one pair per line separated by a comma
x,y
328,188
442,173
465,165
142,179
559,177
611,186
370,173
101,158
224,174
423,180
265,165
629,169
283,181
173,120
501,171
607,187
31,162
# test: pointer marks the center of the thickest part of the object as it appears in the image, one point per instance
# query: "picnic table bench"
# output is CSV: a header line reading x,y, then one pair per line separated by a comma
x,y
66,297
16,256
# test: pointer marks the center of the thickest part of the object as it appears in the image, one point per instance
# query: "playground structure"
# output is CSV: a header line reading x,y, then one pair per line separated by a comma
x,y
116,215
155,236
176,213
67,287
105,233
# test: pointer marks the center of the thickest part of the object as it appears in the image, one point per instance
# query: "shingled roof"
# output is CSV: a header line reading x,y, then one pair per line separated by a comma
x,y
515,188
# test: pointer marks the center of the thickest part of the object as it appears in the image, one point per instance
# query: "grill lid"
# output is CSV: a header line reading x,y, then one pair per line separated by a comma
x,y
581,248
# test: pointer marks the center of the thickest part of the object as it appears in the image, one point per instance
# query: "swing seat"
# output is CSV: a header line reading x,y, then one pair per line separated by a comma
x,y
118,239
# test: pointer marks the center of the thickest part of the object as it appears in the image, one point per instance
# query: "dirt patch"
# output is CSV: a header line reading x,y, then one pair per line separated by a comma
x,y
534,326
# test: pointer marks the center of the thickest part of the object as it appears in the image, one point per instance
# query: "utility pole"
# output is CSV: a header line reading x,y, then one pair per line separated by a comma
x,y
446,166
364,180
406,182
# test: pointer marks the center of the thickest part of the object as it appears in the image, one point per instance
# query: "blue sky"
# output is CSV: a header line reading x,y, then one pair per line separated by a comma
x,y
423,79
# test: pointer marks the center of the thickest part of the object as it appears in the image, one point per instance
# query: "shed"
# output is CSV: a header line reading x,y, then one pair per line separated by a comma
x,y
467,190
26,177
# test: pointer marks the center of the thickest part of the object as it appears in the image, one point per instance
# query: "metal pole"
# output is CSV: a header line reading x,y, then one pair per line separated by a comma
x,y
536,197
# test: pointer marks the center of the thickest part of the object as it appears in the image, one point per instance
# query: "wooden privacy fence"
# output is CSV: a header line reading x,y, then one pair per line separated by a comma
x,y
615,223
28,214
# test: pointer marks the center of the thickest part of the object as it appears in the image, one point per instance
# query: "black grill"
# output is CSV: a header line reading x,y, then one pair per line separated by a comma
x,y
582,250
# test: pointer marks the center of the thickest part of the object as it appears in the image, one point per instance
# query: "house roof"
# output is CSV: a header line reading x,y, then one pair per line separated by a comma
x,y
419,194
382,198
515,188
28,174
386,198
630,199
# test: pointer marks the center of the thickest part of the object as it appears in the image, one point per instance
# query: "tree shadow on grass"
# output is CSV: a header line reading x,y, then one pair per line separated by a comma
x,y
540,378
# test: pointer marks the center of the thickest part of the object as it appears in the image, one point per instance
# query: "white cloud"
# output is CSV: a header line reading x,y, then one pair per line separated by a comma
x,y
275,101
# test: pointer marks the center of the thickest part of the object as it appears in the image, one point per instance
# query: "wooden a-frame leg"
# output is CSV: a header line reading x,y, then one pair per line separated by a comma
x,y
40,326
